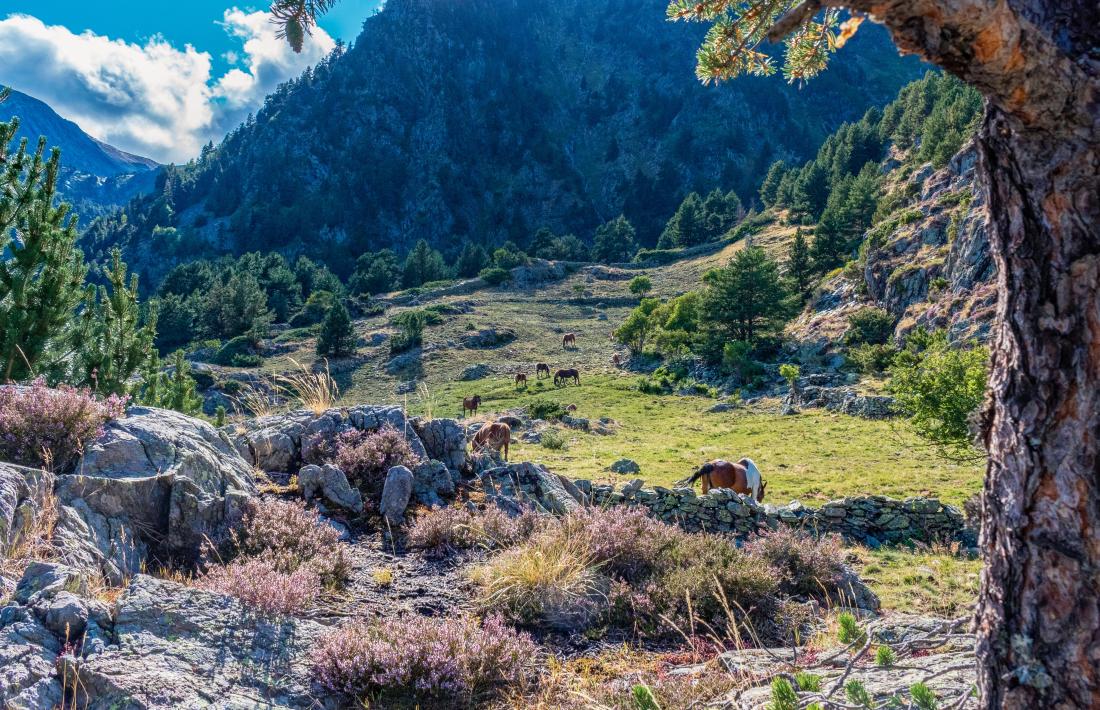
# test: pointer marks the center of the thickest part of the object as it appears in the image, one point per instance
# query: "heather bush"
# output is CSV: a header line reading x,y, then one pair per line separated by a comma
x,y
290,538
367,456
261,584
456,659
704,578
49,427
628,542
447,529
807,566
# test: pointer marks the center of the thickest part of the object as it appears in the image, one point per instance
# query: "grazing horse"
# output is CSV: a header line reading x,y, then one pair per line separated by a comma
x,y
561,377
496,436
616,360
521,379
569,339
471,403
541,368
741,477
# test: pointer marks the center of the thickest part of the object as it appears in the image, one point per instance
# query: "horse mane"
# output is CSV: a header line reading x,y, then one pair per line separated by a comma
x,y
753,479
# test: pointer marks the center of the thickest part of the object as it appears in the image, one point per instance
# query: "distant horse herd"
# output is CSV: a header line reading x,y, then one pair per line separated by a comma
x,y
742,477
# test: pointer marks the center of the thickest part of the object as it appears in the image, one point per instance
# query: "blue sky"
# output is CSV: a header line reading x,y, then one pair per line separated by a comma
x,y
156,78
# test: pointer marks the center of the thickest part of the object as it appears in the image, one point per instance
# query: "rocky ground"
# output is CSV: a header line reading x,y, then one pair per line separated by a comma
x,y
86,624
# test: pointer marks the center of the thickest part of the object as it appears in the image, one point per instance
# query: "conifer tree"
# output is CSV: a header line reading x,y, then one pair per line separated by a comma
x,y
800,267
423,265
770,187
830,245
472,260
337,337
687,226
375,273
41,270
109,343
175,391
614,241
745,300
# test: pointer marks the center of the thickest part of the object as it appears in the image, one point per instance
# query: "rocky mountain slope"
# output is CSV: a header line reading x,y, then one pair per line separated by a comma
x,y
488,120
927,264
94,175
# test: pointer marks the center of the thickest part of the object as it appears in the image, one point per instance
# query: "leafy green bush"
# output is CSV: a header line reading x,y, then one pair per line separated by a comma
x,y
545,409
737,361
789,373
315,309
641,285
872,359
940,386
657,256
872,326
495,276
554,440
238,352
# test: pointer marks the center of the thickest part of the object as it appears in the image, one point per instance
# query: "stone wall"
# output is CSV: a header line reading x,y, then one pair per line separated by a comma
x,y
870,520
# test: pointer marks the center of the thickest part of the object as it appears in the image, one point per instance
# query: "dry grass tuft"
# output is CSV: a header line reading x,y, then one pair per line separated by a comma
x,y
540,584
315,391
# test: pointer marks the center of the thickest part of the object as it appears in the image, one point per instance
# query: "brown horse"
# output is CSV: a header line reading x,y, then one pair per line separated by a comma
x,y
521,379
561,377
471,403
616,360
742,477
496,436
570,339
541,368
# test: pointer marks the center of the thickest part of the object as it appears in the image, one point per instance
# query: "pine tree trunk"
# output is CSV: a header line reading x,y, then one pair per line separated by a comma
x,y
1037,62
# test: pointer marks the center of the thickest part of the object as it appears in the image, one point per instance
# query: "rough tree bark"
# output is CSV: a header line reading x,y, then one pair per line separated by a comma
x,y
1038,64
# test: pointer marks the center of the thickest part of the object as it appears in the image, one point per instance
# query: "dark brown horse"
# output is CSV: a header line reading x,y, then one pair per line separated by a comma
x,y
570,339
541,368
471,403
616,360
496,436
742,477
521,379
561,377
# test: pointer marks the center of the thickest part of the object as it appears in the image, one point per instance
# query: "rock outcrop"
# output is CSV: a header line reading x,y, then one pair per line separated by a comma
x,y
533,484
155,478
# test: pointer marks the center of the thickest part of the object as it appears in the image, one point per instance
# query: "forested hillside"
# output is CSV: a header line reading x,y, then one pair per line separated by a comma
x,y
485,121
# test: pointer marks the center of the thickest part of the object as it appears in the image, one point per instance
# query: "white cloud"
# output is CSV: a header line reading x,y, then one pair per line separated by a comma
x,y
152,99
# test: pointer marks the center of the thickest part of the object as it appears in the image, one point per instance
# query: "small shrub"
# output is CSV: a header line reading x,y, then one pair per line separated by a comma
x,y
808,682
259,583
238,352
872,359
49,427
923,697
495,276
625,541
542,583
872,326
367,456
410,331
292,538
641,285
789,373
554,440
545,409
643,697
807,565
784,696
219,416
448,529
848,631
416,655
885,656
858,695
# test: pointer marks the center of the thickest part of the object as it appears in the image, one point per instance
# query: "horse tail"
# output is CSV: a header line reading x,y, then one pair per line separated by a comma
x,y
703,470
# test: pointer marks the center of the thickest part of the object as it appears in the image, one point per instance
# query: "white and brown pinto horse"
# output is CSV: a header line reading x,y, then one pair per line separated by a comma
x,y
741,477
